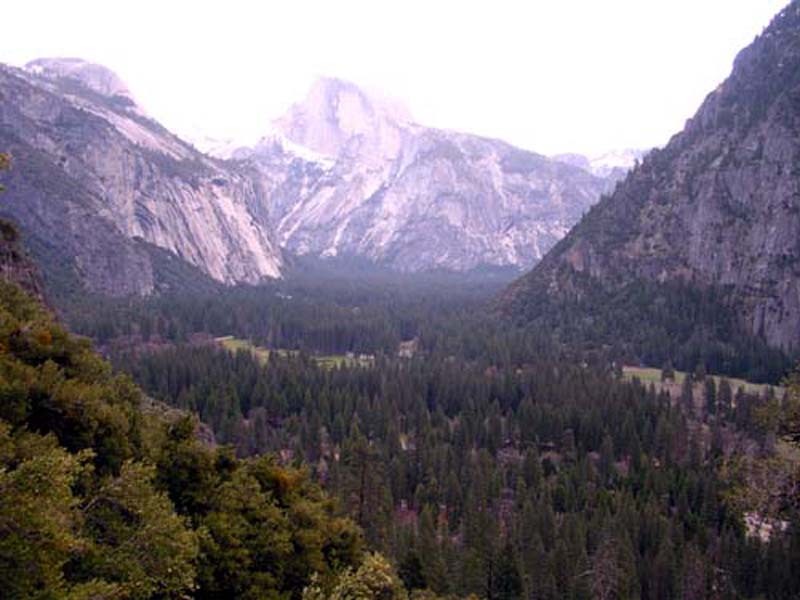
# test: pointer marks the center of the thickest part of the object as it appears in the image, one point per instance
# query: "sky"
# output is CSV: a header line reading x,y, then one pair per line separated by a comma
x,y
547,75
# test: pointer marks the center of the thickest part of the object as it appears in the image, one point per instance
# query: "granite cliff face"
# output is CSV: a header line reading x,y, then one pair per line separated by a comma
x,y
111,201
352,175
106,197
15,264
718,206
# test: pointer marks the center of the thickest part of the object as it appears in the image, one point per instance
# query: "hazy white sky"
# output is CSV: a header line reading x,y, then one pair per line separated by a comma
x,y
548,75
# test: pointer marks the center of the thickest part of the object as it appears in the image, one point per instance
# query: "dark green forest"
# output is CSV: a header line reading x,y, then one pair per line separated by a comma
x,y
490,459
652,323
107,494
506,479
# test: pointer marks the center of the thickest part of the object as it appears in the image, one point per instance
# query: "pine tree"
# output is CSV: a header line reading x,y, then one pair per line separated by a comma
x,y
434,567
725,398
137,541
687,394
39,514
667,372
710,396
507,582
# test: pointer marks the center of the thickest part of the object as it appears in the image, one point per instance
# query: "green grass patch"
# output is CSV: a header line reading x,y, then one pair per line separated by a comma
x,y
326,361
648,375
332,361
233,344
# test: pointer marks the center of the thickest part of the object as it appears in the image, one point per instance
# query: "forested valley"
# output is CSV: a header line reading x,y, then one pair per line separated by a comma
x,y
480,457
351,433
358,357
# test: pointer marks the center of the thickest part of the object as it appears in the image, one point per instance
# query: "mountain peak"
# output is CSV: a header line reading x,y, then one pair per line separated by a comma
x,y
96,77
130,208
334,88
335,112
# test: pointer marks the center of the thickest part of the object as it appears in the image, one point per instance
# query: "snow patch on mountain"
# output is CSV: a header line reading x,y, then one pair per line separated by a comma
x,y
218,147
613,164
287,146
607,163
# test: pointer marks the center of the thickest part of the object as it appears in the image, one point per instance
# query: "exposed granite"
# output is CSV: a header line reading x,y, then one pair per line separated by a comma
x,y
718,206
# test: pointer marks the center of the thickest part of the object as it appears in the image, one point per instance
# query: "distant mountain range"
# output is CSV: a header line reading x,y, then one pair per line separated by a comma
x,y
717,210
354,175
112,202
612,165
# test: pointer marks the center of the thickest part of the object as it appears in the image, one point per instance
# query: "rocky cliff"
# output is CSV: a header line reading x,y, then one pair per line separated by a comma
x,y
106,196
352,175
719,206
15,264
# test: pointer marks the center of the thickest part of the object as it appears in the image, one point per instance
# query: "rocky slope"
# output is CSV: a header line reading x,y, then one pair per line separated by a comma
x,y
719,206
15,264
352,175
109,199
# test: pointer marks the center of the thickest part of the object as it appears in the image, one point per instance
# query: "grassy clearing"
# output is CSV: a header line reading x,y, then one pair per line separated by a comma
x,y
233,344
326,361
332,361
649,375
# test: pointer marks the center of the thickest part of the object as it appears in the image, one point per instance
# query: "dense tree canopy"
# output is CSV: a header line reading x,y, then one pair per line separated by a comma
x,y
496,464
105,494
